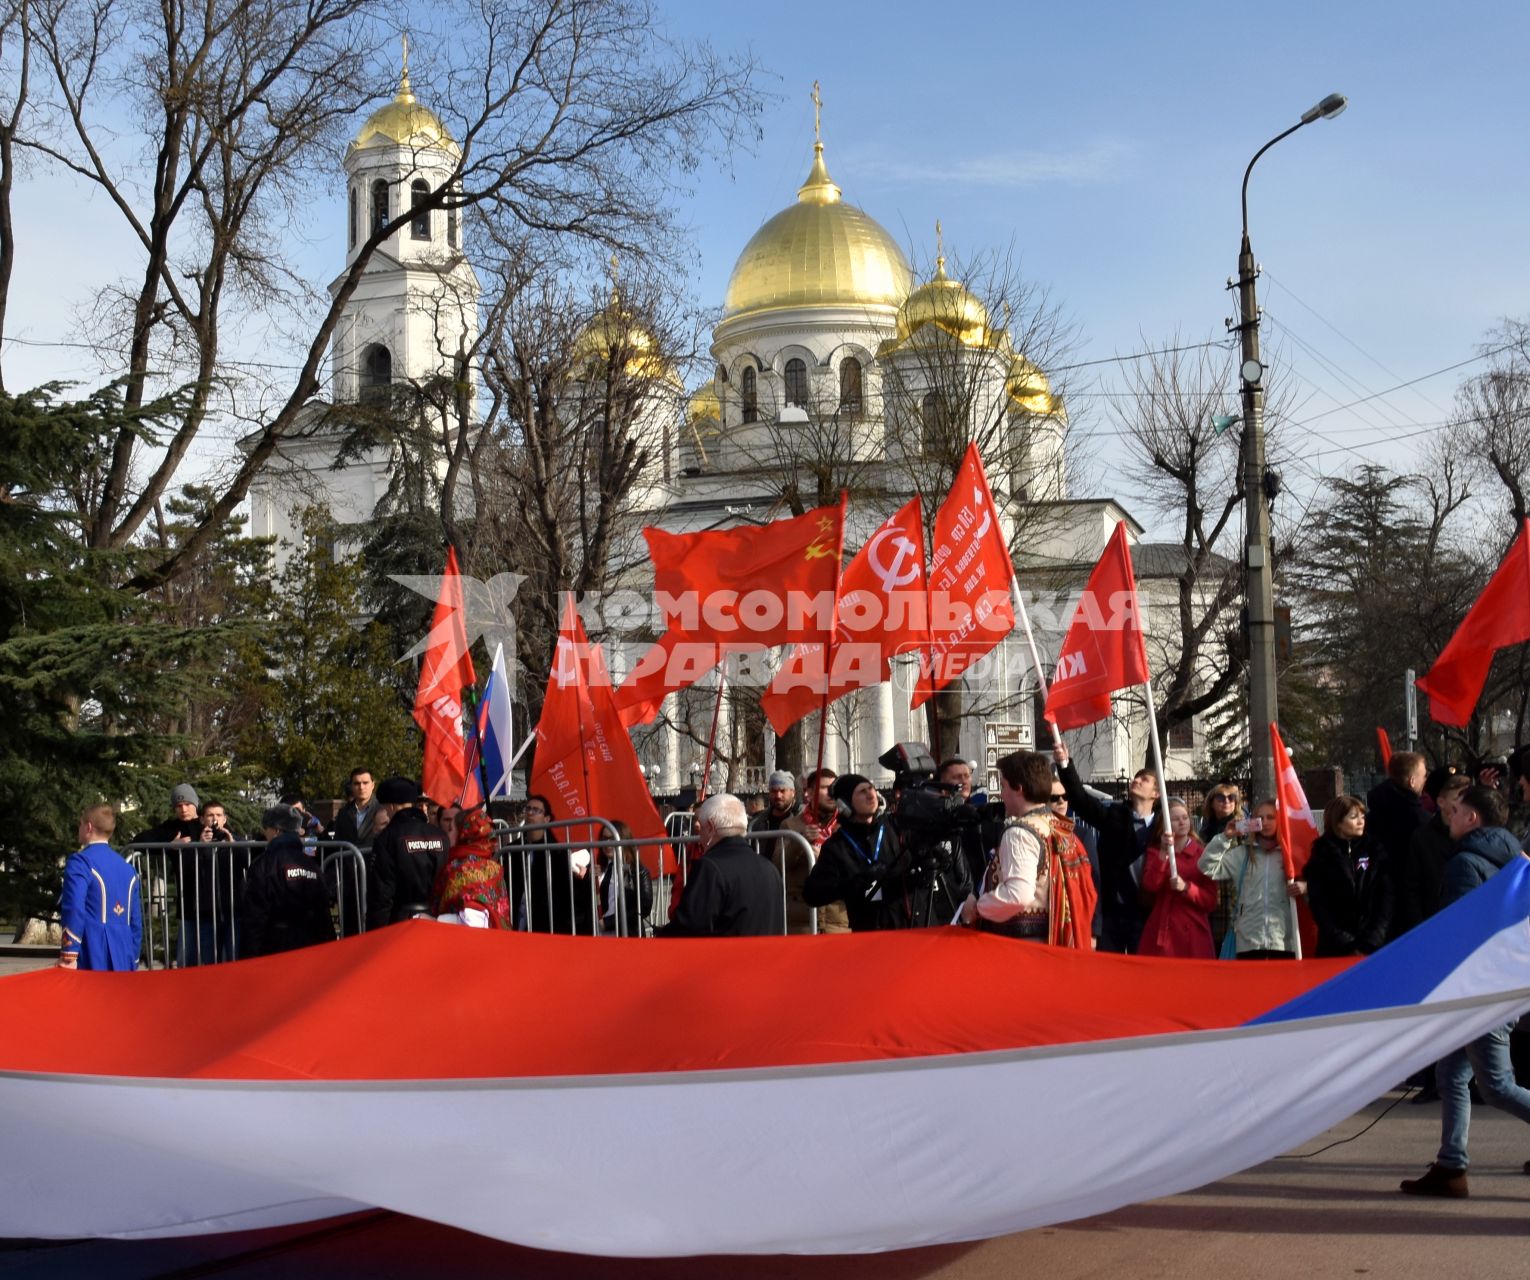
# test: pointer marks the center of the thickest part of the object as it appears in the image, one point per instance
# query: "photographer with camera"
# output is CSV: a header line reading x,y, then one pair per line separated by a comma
x,y
862,864
1038,884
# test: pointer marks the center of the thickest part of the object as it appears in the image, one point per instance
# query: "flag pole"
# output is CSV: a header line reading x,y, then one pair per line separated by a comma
x,y
830,642
706,768
1157,747
483,775
1030,640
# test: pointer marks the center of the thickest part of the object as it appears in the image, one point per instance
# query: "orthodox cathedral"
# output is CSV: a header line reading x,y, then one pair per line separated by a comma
x,y
827,341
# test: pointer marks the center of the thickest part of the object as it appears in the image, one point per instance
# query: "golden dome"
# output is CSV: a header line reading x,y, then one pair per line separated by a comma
x,y
819,252
1028,387
404,122
614,329
947,304
704,406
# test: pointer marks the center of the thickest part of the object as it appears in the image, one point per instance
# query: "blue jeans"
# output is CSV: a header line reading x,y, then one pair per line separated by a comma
x,y
203,942
1487,1058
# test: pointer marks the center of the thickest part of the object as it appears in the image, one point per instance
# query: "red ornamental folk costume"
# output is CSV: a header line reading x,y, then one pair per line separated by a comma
x,y
1179,923
1041,864
472,876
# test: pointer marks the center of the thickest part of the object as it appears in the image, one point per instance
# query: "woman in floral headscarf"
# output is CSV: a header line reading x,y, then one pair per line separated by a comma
x,y
472,879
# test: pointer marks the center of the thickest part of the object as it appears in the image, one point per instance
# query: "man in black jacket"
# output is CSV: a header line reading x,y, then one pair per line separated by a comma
x,y
732,892
406,857
862,865
285,905
1394,809
1418,875
353,823
1122,838
201,879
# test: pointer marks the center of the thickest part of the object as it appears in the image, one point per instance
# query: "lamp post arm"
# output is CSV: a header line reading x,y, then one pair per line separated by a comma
x,y
1277,138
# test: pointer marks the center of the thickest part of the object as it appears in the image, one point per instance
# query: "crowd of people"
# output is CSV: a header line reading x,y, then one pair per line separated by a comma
x,y
1050,860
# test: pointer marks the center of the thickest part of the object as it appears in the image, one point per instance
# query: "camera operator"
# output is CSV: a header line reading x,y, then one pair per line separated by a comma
x,y
976,839
862,864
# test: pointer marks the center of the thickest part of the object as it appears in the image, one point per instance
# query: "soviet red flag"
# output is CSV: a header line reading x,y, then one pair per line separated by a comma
x,y
1384,745
1499,617
585,763
970,574
1103,650
445,671
881,614
730,590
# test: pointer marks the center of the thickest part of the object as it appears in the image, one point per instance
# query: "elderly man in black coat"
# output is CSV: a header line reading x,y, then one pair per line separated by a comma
x,y
732,892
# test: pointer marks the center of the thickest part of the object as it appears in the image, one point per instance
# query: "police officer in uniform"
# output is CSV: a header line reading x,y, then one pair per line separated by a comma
x,y
405,858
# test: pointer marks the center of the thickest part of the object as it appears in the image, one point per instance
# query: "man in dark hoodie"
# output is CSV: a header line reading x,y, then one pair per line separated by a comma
x,y
1484,847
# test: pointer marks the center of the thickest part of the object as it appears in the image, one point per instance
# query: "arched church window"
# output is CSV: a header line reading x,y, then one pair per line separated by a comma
x,y
936,422
419,193
376,373
749,396
353,217
796,382
451,227
379,205
850,386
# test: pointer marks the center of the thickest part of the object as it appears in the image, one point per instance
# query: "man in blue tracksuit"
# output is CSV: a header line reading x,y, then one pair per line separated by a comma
x,y
1484,847
101,915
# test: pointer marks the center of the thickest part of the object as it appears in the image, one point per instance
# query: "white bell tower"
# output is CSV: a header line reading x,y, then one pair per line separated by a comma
x,y
416,309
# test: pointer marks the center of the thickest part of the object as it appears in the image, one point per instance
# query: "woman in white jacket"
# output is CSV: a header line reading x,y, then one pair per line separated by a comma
x,y
1265,923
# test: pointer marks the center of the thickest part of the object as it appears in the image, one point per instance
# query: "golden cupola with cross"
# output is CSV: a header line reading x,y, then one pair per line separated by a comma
x,y
819,252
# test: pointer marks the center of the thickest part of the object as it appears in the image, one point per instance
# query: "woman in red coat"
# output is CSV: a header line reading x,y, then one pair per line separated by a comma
x,y
1180,922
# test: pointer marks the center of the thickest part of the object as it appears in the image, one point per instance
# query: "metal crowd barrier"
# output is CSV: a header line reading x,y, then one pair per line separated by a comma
x,y
663,883
511,842
196,888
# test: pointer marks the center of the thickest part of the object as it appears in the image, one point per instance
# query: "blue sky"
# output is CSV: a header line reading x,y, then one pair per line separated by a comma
x,y
1107,143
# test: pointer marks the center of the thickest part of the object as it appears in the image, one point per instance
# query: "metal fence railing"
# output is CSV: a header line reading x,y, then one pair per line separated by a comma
x,y
540,869
192,894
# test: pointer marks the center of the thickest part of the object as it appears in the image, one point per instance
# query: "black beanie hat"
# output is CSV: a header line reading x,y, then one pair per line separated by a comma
x,y
845,785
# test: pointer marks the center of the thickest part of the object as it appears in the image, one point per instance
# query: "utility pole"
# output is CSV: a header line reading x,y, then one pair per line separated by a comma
x,y
1258,556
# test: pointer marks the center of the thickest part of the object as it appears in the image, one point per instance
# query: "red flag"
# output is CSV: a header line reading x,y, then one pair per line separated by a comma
x,y
1295,823
1103,650
445,671
728,590
1499,617
585,763
970,574
881,614
1384,741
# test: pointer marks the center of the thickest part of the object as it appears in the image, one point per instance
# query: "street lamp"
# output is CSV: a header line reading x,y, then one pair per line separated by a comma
x,y
1257,556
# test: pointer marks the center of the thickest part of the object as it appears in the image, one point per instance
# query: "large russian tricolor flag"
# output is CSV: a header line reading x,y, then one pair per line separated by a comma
x,y
655,1097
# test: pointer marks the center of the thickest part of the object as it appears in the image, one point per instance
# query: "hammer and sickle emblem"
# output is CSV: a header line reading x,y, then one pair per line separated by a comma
x,y
815,551
987,521
565,665
905,560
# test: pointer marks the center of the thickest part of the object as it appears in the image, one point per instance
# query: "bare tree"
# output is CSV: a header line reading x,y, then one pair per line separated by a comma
x,y
1493,415
16,43
1187,467
969,367
569,114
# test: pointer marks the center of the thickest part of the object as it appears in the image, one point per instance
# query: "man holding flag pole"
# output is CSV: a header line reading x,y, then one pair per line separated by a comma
x,y
1102,653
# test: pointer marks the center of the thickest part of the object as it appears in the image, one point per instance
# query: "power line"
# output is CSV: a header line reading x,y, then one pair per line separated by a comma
x,y
1423,377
